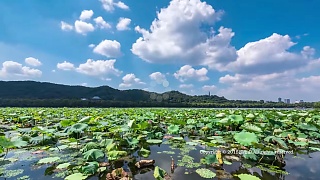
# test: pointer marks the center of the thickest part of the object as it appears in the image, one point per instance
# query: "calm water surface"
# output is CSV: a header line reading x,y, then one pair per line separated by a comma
x,y
299,167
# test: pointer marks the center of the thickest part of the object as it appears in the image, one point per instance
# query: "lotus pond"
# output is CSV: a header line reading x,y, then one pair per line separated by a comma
x,y
139,143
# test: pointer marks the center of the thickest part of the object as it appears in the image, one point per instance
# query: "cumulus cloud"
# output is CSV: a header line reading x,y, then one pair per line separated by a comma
x,y
187,72
86,15
123,24
209,88
91,45
12,69
66,66
109,5
82,27
98,68
65,26
185,86
108,48
266,86
267,55
33,61
158,77
129,80
308,52
177,34
267,68
101,23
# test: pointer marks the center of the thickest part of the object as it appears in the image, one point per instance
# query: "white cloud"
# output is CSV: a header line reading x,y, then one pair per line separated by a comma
x,y
123,24
158,77
86,15
101,23
98,68
177,34
121,5
266,56
65,26
66,66
108,48
82,27
185,86
129,80
308,52
209,88
91,45
84,84
109,5
266,86
33,61
187,72
11,69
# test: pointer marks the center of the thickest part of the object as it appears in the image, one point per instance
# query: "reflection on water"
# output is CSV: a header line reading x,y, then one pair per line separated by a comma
x,y
300,167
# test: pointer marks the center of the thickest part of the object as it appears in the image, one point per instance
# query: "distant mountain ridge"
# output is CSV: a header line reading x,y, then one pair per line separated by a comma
x,y
46,90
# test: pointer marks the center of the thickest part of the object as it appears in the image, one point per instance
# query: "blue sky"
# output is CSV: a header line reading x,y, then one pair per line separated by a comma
x,y
241,50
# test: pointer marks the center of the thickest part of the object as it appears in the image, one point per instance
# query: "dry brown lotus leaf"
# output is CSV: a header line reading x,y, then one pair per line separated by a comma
x,y
144,163
104,164
118,174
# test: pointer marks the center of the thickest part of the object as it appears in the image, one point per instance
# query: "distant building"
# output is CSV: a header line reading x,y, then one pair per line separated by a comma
x,y
96,98
287,101
279,99
84,99
301,101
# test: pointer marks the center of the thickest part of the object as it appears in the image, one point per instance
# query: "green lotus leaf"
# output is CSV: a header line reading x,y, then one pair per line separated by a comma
x,y
246,138
154,141
90,145
191,121
177,138
48,160
314,148
191,143
250,156
251,127
93,154
132,141
298,143
206,173
236,118
77,128
66,122
247,177
221,115
250,116
90,168
144,152
308,127
173,129
76,176
114,155
159,173
5,142
280,142
106,142
63,166
210,159
85,119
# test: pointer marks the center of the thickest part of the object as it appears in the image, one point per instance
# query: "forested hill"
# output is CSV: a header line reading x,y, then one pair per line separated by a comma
x,y
44,90
43,94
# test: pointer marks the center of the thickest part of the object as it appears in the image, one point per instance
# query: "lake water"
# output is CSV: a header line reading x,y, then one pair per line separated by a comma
x,y
297,167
